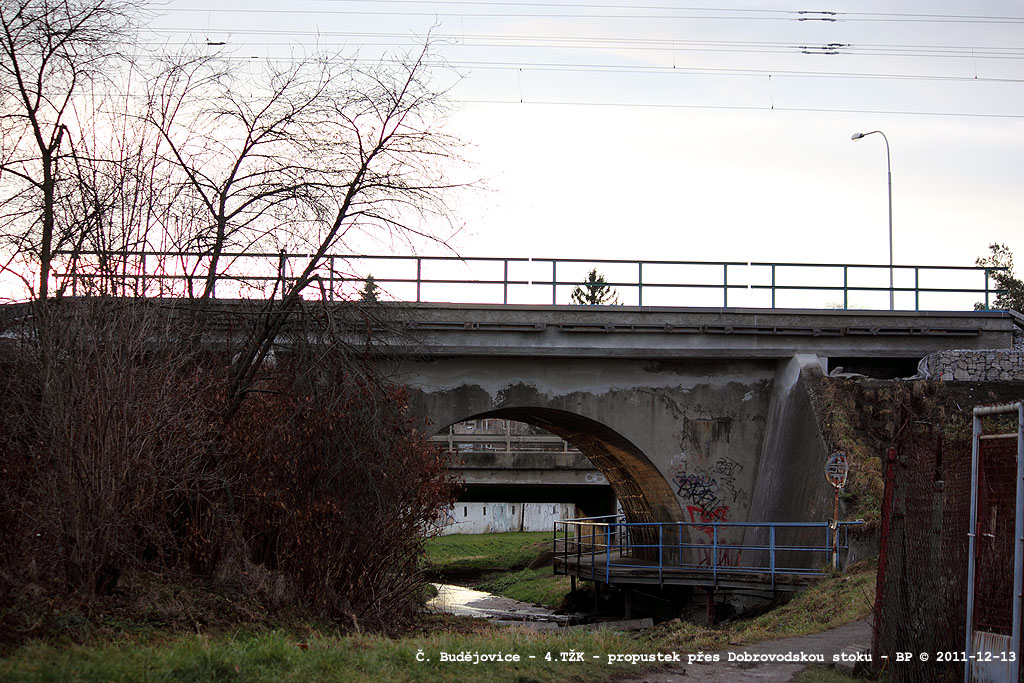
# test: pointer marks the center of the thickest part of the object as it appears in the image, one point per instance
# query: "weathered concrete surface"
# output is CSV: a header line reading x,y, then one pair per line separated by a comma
x,y
690,414
670,333
678,441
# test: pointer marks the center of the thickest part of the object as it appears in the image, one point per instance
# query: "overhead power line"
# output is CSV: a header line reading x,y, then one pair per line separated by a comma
x,y
624,43
629,12
821,110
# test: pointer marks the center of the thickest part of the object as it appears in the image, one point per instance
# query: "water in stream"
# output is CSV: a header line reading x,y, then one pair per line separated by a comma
x,y
473,603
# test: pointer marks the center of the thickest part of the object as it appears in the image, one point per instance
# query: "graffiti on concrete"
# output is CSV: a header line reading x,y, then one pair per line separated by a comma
x,y
727,467
706,556
698,489
708,488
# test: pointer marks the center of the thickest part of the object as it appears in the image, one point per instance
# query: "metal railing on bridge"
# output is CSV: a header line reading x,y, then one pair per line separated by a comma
x,y
501,440
753,554
513,280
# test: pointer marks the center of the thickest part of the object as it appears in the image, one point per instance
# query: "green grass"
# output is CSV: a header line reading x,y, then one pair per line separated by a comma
x,y
279,656
538,586
827,604
300,654
497,563
821,674
467,553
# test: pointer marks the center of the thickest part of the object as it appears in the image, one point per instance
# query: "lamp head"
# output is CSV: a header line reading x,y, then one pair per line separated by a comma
x,y
857,136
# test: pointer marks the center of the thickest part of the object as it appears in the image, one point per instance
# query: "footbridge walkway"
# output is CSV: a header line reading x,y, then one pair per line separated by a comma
x,y
749,556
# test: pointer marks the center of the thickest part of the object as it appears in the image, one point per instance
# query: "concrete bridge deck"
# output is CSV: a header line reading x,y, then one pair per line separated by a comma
x,y
690,414
656,333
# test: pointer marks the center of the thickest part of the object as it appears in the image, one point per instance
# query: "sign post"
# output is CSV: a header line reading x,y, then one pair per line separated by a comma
x,y
837,471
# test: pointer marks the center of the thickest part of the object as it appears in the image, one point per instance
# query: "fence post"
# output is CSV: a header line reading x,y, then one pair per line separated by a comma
x,y
714,554
608,554
640,283
917,288
846,288
281,270
725,285
554,279
419,277
593,542
771,551
505,284
773,285
986,289
330,277
661,555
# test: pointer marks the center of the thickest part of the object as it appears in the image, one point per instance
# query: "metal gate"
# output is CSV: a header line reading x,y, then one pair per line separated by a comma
x,y
996,552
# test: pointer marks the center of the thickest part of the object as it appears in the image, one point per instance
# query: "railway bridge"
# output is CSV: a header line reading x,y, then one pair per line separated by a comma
x,y
689,414
694,417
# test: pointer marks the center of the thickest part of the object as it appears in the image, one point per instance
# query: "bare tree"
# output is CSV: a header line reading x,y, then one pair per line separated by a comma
x,y
297,157
213,160
53,53
325,149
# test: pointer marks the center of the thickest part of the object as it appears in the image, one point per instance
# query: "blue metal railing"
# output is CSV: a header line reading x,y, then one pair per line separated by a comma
x,y
607,543
511,280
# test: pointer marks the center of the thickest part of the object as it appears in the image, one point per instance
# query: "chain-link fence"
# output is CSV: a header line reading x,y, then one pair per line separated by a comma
x,y
921,604
922,583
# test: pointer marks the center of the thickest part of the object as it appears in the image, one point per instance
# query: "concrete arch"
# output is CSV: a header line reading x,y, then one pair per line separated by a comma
x,y
642,490
680,441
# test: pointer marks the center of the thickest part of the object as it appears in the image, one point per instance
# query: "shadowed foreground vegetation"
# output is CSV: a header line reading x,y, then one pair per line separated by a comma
x,y
126,468
131,652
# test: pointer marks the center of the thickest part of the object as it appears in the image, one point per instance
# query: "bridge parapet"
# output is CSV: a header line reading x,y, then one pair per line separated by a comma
x,y
674,333
533,280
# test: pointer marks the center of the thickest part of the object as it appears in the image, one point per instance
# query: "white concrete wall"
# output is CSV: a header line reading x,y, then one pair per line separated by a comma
x,y
485,518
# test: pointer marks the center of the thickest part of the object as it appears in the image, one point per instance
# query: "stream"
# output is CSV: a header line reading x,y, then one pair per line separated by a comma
x,y
464,601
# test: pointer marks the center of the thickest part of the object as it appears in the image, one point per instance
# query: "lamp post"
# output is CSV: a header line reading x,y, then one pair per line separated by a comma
x,y
888,165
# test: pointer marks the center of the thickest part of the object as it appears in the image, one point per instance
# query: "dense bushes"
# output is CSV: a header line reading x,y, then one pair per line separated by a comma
x,y
337,487
116,456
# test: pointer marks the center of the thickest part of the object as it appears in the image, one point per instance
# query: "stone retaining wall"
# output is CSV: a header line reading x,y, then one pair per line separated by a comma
x,y
975,366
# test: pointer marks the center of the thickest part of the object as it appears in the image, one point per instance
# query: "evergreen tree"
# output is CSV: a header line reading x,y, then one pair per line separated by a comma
x,y
594,292
369,292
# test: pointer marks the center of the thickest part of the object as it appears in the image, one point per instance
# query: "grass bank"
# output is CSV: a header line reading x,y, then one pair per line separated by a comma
x,y
420,655
514,565
475,554
283,656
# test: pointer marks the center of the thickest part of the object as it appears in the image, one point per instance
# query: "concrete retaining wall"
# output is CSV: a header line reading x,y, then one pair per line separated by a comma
x,y
487,518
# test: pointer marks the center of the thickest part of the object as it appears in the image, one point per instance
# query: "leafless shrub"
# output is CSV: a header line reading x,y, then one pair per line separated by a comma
x,y
339,490
110,424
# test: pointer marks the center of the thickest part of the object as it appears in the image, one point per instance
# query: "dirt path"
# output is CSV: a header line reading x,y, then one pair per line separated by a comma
x,y
826,644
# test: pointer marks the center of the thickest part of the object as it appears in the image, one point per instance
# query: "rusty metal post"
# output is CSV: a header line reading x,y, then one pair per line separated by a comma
x,y
883,545
835,532
972,530
1018,549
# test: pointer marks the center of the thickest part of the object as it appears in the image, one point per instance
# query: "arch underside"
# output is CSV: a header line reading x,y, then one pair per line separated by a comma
x,y
643,492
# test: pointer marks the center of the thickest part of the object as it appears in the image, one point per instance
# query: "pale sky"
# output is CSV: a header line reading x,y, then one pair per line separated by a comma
x,y
682,131
651,129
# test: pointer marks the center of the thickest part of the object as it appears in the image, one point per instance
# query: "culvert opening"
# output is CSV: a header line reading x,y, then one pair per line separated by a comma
x,y
642,492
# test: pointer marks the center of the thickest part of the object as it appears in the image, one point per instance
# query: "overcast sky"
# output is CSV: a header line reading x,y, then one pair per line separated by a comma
x,y
664,130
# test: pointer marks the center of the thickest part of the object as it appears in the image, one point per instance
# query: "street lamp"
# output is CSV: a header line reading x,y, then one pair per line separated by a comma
x,y
888,165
